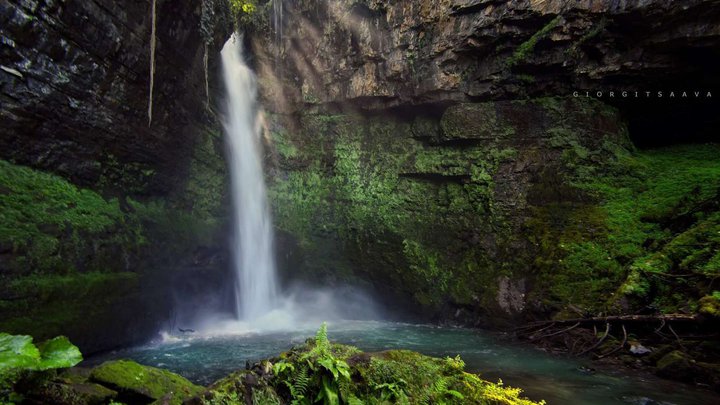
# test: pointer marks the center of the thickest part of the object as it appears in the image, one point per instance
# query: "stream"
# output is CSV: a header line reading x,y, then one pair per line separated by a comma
x,y
204,359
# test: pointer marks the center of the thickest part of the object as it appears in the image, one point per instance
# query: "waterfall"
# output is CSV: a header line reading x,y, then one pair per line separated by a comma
x,y
252,245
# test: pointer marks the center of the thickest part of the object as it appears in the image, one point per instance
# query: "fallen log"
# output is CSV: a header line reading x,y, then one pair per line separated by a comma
x,y
620,318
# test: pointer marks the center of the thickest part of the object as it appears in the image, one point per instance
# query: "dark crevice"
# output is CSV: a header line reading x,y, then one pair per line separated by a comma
x,y
437,177
657,122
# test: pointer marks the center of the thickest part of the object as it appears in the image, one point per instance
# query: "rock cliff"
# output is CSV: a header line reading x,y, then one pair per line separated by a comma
x,y
377,54
91,250
438,152
430,151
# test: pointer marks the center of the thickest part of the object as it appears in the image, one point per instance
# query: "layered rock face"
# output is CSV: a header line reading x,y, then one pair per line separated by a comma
x,y
380,55
103,208
435,150
75,88
431,151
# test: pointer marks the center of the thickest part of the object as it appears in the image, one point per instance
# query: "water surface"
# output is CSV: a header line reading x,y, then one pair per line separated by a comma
x,y
204,359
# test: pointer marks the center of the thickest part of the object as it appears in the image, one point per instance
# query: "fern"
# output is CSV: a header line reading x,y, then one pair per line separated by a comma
x,y
441,391
298,385
316,375
321,339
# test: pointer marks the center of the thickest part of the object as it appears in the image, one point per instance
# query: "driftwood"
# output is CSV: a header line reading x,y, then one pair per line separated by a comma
x,y
617,348
619,318
555,333
548,329
599,342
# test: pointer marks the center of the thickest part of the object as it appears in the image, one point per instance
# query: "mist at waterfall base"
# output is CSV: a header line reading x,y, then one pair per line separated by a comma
x,y
259,305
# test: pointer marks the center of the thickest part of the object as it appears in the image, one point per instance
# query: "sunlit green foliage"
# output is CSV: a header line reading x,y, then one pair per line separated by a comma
x,y
242,6
47,220
69,254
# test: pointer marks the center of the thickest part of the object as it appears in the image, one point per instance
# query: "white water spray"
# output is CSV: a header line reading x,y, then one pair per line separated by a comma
x,y
258,303
255,281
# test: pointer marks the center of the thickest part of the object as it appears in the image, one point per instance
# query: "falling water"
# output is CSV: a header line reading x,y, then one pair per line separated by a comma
x,y
255,284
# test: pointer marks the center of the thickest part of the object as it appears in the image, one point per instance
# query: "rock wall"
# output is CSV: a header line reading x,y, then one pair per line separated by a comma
x,y
434,152
377,54
435,211
107,216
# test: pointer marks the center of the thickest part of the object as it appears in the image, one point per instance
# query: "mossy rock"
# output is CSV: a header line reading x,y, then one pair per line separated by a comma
x,y
710,305
676,365
84,393
474,121
135,382
321,368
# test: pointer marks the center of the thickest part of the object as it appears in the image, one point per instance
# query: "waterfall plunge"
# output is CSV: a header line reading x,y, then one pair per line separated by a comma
x,y
255,282
259,305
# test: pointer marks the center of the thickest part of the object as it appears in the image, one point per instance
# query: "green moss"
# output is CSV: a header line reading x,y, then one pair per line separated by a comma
x,y
284,145
131,177
322,372
595,30
654,223
415,205
475,121
527,47
710,305
48,305
130,378
44,218
371,179
525,78
205,193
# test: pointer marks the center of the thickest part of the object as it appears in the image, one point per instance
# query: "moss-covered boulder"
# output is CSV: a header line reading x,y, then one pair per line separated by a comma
x,y
681,366
320,371
80,393
143,384
676,364
709,305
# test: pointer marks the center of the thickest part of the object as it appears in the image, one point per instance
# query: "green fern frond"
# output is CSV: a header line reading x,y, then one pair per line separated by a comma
x,y
440,385
301,383
321,337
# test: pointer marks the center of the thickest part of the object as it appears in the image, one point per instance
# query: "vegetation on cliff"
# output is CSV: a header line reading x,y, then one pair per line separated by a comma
x,y
446,209
650,240
73,259
433,207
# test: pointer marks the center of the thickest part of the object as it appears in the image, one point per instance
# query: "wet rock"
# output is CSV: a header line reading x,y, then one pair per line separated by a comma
x,y
70,387
75,91
638,349
676,364
143,383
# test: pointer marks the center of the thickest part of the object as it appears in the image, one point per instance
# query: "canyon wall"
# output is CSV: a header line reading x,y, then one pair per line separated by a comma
x,y
102,209
436,152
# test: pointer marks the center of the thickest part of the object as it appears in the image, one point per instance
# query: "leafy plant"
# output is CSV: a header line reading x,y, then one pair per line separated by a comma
x,y
242,6
317,376
18,354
